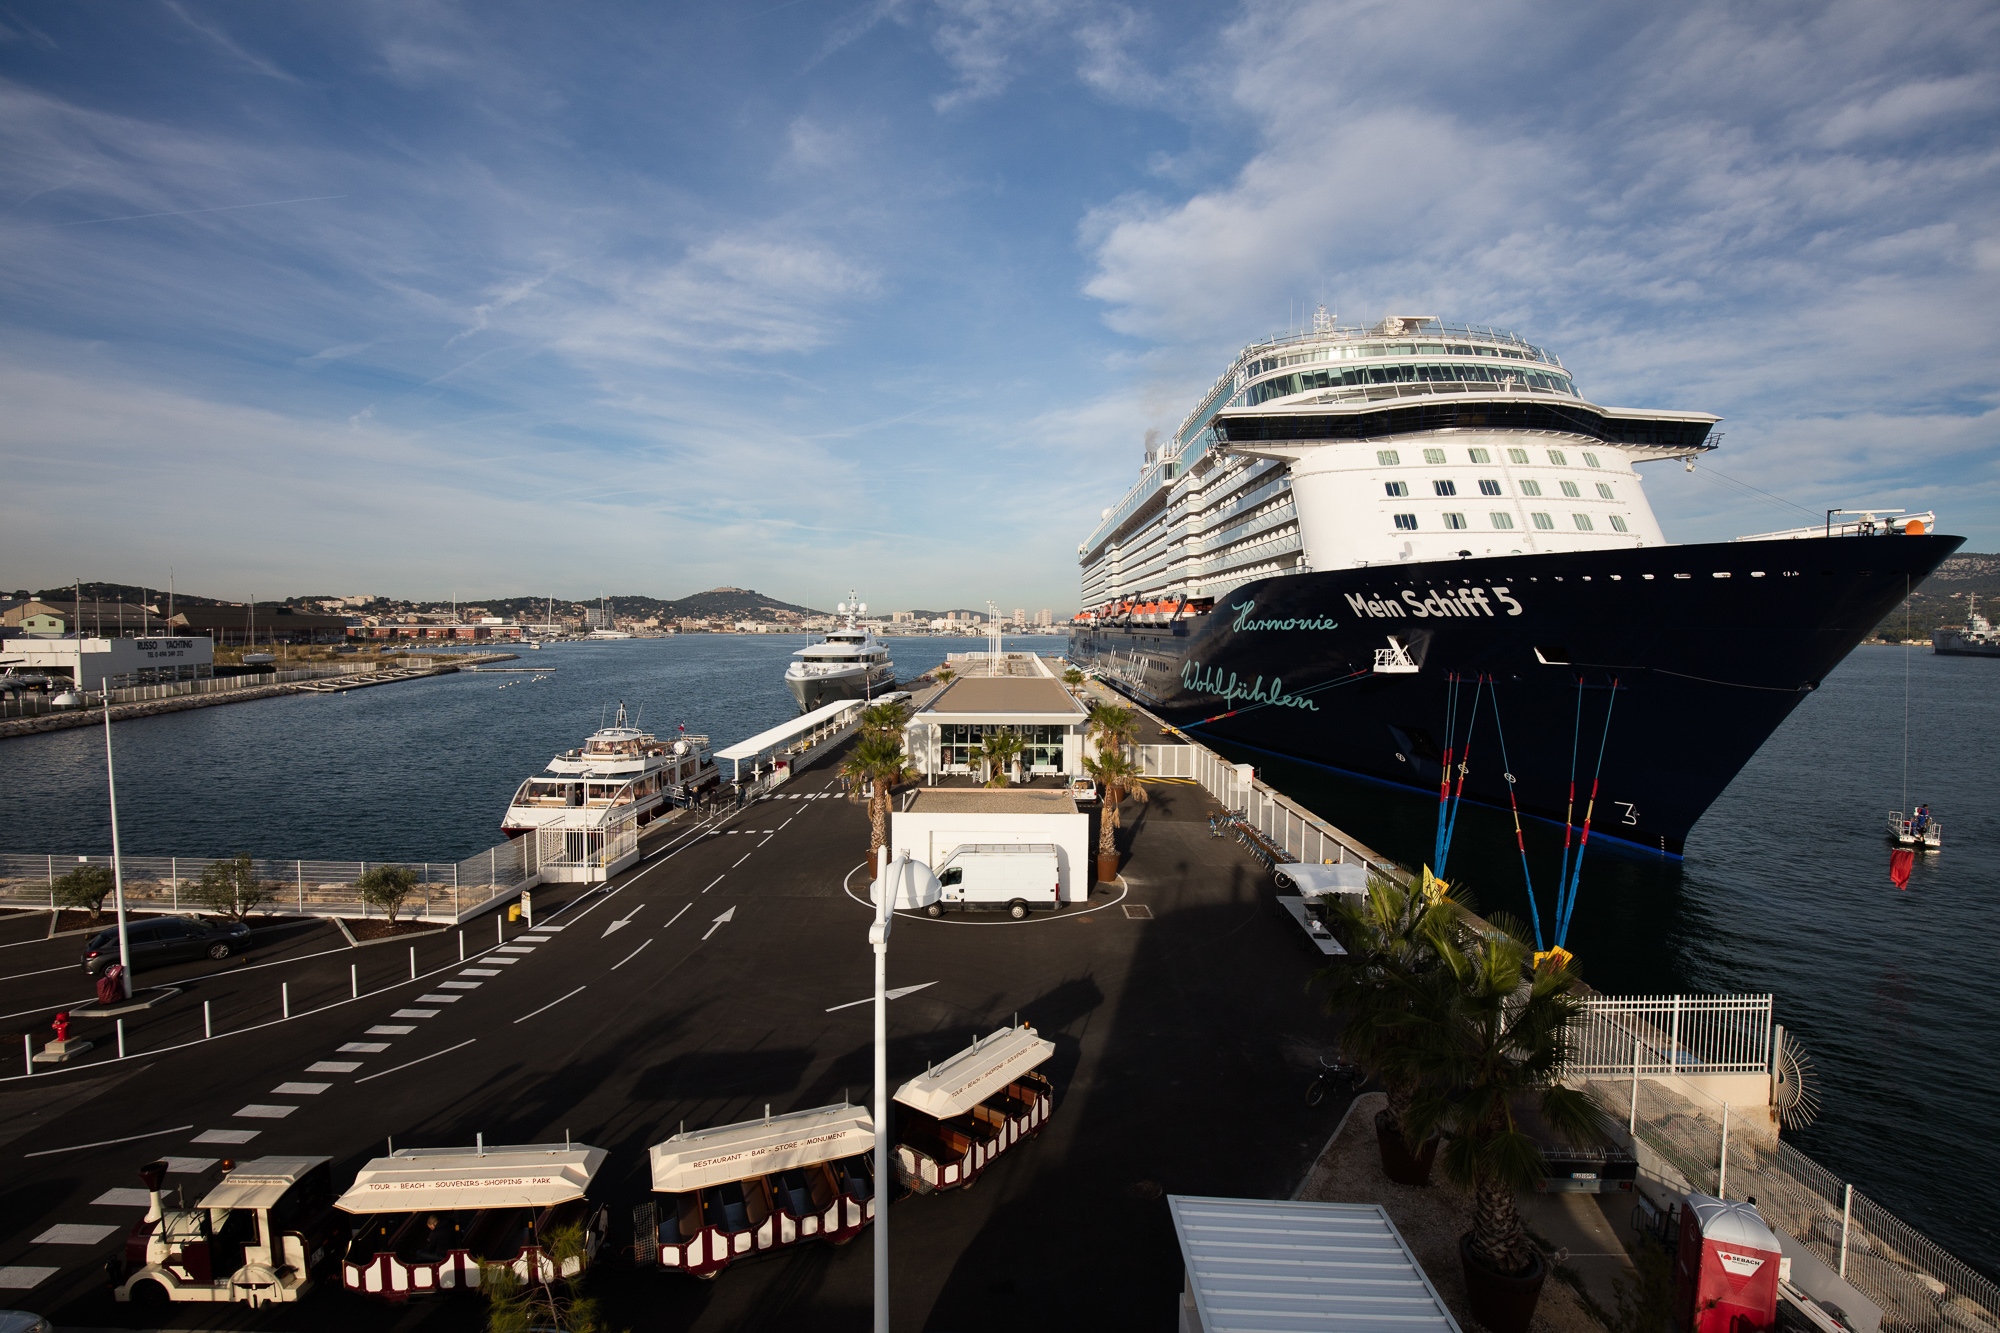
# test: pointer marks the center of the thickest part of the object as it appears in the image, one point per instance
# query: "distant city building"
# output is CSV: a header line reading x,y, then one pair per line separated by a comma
x,y
426,628
1045,617
902,617
596,618
1020,616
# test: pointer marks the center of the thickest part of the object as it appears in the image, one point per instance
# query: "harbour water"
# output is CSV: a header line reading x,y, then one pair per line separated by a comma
x,y
1785,887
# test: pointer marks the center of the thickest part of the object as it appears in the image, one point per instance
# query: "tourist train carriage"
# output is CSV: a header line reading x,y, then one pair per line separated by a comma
x,y
426,1218
736,1191
960,1115
256,1237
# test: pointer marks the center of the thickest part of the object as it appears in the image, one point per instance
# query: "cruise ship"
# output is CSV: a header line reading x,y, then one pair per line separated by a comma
x,y
1414,547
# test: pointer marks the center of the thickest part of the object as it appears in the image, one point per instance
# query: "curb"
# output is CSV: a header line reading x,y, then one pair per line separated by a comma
x,y
1306,1179
353,943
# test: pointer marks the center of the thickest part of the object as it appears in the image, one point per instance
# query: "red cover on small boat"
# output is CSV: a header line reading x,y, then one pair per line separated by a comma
x,y
1900,861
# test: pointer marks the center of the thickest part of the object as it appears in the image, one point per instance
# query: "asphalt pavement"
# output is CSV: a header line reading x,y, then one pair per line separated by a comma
x,y
719,975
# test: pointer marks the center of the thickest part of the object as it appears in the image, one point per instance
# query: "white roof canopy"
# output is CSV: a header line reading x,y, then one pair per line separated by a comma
x,y
1350,878
1266,1264
785,732
976,1073
415,1179
259,1183
692,1161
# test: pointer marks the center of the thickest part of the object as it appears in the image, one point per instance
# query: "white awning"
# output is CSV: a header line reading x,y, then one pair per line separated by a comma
x,y
1350,878
1266,1264
416,1179
785,732
704,1157
976,1073
259,1183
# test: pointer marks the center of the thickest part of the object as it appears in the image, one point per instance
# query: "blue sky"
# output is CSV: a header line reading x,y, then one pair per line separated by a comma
x,y
428,298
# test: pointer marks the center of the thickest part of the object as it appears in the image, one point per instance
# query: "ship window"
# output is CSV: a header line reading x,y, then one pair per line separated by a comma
x,y
1454,521
1583,523
1531,488
1434,455
1396,488
1590,460
1502,521
1488,487
1544,522
1569,489
1619,524
1387,457
1444,487
1480,455
1556,457
1517,455
1604,490
1406,522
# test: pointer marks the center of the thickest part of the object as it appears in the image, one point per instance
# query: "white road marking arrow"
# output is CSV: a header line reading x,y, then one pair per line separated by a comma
x,y
895,994
727,916
613,926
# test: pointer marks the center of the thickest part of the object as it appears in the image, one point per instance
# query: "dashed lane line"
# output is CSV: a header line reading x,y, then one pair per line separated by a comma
x,y
745,857
767,838
712,883
419,1060
551,1004
106,1143
684,907
629,957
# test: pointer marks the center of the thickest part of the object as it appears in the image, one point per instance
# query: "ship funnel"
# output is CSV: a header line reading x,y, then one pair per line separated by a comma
x,y
153,1174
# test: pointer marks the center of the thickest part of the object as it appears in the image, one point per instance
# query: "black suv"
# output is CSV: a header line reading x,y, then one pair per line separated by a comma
x,y
164,939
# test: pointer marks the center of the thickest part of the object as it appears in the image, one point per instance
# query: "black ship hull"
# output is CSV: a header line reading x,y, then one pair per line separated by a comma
x,y
1695,653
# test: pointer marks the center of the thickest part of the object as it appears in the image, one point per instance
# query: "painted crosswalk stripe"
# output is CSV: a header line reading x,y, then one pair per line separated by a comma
x,y
439,999
531,939
333,1066
504,962
237,1136
464,985
515,948
294,1090
194,1166
415,1013
74,1233
391,1030
364,1047
124,1198
475,972
265,1111
21,1277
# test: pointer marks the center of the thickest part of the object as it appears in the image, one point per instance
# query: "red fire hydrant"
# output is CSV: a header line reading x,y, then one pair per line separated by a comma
x,y
61,1025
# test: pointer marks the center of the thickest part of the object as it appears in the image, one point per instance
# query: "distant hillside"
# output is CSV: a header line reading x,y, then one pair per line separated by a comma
x,y
1940,599
126,592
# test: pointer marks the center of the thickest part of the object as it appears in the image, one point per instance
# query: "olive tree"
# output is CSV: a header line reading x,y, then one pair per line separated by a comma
x,y
231,888
387,887
85,887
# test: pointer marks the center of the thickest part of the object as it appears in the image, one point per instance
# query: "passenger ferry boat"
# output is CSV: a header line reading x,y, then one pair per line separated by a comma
x,y
850,663
1368,548
590,803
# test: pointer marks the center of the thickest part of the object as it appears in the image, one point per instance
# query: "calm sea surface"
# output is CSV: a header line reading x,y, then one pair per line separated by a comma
x,y
1785,887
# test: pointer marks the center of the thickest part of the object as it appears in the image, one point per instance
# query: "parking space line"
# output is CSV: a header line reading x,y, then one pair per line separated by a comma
x,y
44,972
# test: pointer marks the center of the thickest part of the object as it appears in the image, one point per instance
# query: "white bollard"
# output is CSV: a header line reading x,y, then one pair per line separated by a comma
x,y
207,1025
284,989
413,962
500,927
354,980
28,1052
121,1039
461,946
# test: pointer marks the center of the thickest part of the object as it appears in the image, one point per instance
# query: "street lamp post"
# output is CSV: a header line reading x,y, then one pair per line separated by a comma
x,y
117,860
912,886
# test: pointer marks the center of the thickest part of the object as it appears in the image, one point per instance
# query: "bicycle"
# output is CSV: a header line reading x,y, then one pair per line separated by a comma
x,y
1338,1074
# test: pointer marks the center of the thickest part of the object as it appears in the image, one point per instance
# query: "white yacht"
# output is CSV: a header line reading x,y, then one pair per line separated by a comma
x,y
850,663
618,781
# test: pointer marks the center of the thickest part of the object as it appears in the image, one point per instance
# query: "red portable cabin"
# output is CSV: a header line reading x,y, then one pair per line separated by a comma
x,y
1728,1267
960,1115
426,1218
737,1191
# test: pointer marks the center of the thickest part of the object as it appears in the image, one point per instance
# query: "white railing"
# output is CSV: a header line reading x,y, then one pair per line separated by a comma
x,y
450,890
1859,523
1673,1034
1281,821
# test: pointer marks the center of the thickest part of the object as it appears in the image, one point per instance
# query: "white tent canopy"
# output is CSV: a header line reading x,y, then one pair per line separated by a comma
x,y
705,1157
417,1179
976,1073
1350,879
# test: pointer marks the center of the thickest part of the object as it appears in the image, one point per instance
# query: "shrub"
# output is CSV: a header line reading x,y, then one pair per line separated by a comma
x,y
386,887
84,887
231,888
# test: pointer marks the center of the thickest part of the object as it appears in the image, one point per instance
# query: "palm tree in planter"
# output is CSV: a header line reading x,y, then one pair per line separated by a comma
x,y
877,764
1113,727
1074,679
888,719
1393,938
1486,1034
999,749
1115,776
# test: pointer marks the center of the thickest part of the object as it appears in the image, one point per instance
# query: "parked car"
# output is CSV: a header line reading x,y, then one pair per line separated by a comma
x,y
154,941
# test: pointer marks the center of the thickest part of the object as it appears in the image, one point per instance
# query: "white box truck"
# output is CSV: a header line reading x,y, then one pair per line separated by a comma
x,y
1014,877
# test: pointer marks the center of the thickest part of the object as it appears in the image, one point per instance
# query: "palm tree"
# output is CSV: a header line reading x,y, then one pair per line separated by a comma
x,y
945,675
1393,937
999,749
885,719
1482,1041
1074,679
1112,727
1116,776
877,763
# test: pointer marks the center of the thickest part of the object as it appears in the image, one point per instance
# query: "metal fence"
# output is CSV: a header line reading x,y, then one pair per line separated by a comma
x,y
37,705
445,890
1686,1034
1919,1286
1281,821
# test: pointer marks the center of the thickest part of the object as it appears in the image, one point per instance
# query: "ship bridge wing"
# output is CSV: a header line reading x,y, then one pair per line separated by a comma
x,y
1414,409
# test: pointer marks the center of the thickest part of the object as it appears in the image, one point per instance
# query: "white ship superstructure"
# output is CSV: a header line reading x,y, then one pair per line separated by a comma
x,y
1517,462
850,663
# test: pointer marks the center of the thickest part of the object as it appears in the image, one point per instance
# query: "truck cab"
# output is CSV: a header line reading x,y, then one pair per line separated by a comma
x,y
1010,877
256,1237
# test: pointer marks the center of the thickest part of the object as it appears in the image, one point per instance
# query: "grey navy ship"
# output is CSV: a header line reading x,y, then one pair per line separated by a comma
x,y
1975,638
1367,548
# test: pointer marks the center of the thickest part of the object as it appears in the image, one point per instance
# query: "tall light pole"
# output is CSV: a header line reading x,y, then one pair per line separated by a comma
x,y
117,860
912,886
